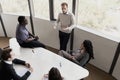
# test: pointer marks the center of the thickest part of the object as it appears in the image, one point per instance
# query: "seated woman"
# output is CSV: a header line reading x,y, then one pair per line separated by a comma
x,y
7,72
53,74
82,56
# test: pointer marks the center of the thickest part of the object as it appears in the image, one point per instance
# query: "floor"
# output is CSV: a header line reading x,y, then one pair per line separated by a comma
x,y
94,73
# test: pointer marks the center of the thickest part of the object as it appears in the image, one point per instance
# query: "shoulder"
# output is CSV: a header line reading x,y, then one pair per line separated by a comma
x,y
60,14
19,27
5,66
71,14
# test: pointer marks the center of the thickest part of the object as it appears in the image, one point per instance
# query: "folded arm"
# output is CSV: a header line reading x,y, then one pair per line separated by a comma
x,y
17,77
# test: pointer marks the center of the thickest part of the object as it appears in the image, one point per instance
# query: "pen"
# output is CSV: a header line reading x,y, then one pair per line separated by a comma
x,y
33,51
60,64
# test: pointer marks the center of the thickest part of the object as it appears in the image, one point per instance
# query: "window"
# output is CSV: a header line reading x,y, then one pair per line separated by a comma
x,y
41,8
15,7
103,15
0,8
57,6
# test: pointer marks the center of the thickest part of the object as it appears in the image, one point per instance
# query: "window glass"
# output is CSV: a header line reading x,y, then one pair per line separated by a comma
x,y
102,15
57,6
19,7
41,8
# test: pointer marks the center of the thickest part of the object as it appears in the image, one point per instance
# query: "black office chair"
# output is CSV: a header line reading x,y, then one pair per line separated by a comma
x,y
0,53
84,60
0,57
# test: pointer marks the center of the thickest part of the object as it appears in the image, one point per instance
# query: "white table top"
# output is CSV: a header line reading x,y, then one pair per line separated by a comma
x,y
43,60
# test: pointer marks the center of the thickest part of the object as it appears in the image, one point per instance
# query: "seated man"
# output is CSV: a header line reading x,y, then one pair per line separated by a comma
x,y
82,56
7,72
24,37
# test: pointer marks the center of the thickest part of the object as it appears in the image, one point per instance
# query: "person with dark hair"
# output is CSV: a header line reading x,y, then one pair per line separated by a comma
x,y
81,56
65,24
7,72
24,37
53,74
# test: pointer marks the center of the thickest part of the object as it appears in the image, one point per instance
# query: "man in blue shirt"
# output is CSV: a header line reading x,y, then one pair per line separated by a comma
x,y
24,37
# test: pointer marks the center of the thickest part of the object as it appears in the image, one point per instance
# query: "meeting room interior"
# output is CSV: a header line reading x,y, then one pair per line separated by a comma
x,y
77,39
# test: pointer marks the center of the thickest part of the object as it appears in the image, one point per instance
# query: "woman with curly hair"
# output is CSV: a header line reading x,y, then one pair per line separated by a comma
x,y
81,56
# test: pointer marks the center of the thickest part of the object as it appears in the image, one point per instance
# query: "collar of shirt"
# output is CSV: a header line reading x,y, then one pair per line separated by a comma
x,y
65,13
8,62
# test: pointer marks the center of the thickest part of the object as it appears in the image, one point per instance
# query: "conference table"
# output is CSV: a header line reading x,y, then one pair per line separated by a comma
x,y
42,60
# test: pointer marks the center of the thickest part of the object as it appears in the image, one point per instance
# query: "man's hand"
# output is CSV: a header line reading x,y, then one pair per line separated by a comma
x,y
66,28
27,65
36,37
54,27
31,69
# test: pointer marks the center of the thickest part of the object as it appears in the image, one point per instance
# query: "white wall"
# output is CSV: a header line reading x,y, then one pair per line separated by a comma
x,y
104,49
116,72
1,30
10,23
48,35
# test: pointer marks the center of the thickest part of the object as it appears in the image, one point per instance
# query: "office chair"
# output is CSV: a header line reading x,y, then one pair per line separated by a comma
x,y
84,60
0,53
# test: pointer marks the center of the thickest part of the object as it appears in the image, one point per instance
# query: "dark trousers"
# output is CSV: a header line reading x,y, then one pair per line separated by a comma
x,y
64,37
32,44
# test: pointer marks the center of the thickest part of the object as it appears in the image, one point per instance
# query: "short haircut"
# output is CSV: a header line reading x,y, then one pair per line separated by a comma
x,y
64,3
21,19
6,54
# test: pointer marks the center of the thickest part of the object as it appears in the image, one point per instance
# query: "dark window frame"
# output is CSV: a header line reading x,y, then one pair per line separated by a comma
x,y
51,9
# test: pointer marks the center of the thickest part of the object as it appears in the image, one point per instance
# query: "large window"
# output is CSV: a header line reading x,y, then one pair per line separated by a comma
x,y
19,7
102,15
57,6
41,8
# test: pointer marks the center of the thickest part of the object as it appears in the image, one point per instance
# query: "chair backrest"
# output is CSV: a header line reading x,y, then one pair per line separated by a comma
x,y
0,53
84,60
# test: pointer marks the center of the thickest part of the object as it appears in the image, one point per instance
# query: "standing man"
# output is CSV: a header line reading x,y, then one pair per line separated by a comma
x,y
65,24
24,37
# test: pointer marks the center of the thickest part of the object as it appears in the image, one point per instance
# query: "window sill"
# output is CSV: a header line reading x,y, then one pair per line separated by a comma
x,y
100,33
